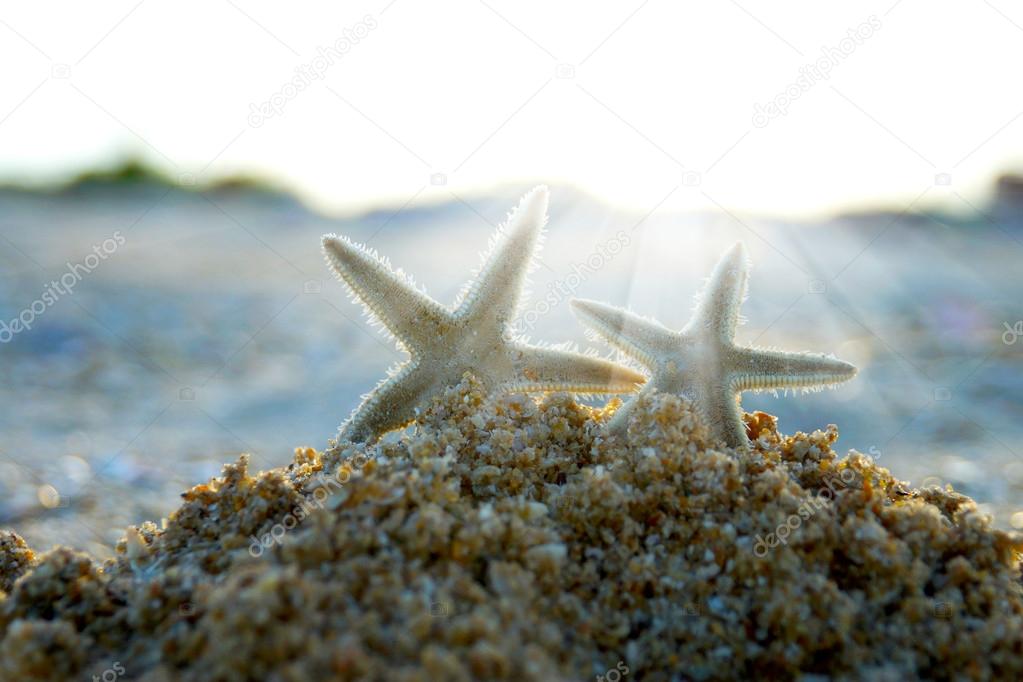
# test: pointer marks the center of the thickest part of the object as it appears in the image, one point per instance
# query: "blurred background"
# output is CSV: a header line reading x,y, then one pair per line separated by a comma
x,y
167,170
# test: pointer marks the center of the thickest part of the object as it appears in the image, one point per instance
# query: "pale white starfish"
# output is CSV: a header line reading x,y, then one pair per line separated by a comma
x,y
702,362
472,337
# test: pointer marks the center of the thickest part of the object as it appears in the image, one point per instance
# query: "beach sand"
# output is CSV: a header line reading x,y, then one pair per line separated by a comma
x,y
512,539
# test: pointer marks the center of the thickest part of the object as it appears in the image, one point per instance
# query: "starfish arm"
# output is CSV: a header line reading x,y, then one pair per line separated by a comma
x,y
554,369
757,369
493,294
717,313
389,297
391,405
619,422
718,403
637,337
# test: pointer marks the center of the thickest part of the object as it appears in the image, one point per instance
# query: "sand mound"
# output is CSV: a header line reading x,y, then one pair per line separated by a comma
x,y
513,540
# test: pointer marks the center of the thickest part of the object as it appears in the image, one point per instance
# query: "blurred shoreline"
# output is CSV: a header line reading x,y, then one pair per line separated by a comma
x,y
215,328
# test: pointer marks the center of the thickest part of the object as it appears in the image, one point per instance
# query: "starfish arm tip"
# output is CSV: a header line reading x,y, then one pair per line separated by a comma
x,y
630,376
735,261
847,370
598,317
499,281
337,248
586,309
540,191
839,370
738,250
579,304
532,208
718,303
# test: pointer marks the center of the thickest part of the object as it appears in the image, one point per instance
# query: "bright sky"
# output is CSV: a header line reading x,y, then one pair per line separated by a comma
x,y
633,101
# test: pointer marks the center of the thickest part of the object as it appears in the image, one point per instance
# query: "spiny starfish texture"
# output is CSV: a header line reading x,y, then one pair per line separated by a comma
x,y
702,361
473,337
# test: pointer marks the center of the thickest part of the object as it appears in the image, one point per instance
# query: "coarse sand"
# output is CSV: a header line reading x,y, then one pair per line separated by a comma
x,y
507,538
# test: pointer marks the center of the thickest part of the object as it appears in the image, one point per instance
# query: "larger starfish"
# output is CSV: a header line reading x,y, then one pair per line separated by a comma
x,y
702,361
475,336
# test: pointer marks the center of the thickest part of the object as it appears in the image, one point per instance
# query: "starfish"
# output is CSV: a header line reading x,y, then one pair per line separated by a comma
x,y
474,336
702,361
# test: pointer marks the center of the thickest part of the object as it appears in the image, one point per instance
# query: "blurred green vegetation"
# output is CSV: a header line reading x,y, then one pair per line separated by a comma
x,y
135,171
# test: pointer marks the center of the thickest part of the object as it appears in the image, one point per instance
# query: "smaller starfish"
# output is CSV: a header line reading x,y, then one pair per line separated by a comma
x,y
702,362
474,337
